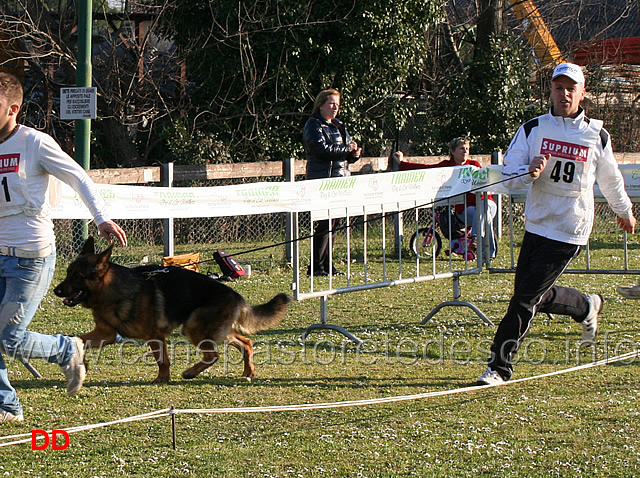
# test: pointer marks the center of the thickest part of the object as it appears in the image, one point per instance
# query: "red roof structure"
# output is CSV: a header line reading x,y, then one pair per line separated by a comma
x,y
609,51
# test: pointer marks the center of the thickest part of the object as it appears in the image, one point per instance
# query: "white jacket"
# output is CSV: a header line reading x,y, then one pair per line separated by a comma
x,y
560,203
30,162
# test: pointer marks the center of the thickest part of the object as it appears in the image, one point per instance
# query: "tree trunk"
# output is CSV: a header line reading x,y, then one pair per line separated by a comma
x,y
452,55
490,22
123,151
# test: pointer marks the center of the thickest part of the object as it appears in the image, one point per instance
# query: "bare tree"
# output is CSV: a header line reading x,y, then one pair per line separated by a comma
x,y
138,74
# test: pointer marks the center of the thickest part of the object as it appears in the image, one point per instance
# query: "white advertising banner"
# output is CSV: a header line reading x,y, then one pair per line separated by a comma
x,y
392,191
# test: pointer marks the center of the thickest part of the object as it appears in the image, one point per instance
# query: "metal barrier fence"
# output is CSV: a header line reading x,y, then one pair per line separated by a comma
x,y
366,250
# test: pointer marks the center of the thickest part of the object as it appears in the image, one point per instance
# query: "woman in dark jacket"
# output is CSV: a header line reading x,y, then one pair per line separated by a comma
x,y
329,151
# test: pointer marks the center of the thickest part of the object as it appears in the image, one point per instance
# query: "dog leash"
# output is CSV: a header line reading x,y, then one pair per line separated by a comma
x,y
359,222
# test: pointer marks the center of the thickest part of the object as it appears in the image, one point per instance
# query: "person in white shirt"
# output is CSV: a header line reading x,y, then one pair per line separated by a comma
x,y
564,152
31,163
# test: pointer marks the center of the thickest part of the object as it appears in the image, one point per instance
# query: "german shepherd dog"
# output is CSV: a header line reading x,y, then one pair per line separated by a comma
x,y
149,302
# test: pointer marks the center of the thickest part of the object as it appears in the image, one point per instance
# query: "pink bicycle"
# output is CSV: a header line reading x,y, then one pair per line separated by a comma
x,y
426,242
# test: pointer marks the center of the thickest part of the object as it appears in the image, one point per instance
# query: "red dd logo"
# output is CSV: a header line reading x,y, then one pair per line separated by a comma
x,y
54,441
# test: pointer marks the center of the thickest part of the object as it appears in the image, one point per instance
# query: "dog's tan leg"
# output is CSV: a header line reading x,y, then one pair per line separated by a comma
x,y
209,357
245,346
100,336
159,349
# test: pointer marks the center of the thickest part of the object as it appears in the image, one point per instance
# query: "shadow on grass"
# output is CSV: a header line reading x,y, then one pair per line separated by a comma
x,y
326,383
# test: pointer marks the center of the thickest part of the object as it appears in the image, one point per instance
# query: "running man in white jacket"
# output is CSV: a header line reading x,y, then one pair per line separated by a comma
x,y
31,163
564,153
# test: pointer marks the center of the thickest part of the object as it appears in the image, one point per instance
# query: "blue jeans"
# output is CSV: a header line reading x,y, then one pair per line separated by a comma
x,y
470,213
23,284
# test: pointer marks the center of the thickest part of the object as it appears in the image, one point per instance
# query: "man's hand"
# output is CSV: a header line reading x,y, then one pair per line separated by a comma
x,y
538,164
627,225
110,228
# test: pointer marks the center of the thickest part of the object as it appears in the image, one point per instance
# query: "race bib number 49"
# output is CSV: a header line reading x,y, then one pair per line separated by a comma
x,y
566,170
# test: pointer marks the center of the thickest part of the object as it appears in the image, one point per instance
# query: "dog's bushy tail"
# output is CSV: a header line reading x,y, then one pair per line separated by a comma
x,y
265,316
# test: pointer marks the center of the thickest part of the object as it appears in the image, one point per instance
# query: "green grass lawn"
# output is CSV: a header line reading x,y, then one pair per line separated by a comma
x,y
580,423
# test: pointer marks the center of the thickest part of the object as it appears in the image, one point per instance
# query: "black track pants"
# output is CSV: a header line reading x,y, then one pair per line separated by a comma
x,y
540,264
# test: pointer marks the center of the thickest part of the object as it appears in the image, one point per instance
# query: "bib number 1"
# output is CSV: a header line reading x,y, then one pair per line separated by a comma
x,y
5,187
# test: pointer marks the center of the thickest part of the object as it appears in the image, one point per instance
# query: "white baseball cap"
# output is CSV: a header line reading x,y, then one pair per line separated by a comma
x,y
570,70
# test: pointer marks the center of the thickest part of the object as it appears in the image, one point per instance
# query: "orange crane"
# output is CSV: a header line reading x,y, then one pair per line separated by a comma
x,y
538,35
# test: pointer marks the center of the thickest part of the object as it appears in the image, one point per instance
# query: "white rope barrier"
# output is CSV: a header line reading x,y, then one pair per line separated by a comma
x,y
82,428
317,406
402,398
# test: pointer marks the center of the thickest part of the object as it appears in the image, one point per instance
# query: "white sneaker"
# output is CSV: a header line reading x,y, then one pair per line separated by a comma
x,y
6,416
490,377
75,371
590,324
630,291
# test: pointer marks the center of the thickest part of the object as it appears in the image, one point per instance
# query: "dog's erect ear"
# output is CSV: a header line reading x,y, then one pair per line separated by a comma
x,y
89,246
103,259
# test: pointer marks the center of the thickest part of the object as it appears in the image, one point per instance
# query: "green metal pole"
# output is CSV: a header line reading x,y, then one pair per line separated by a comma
x,y
83,126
